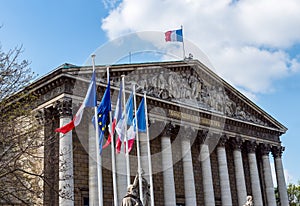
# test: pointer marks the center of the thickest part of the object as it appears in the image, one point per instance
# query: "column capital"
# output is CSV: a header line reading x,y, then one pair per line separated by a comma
x,y
277,151
236,142
45,115
223,140
264,149
188,133
202,135
169,129
251,146
64,107
40,117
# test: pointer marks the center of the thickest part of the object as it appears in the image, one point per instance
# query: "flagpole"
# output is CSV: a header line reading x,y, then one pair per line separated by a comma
x,y
138,149
149,152
99,159
125,135
183,43
113,160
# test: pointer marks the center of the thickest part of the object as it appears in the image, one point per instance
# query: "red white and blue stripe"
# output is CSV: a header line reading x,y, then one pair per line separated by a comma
x,y
174,35
140,117
121,125
117,117
90,100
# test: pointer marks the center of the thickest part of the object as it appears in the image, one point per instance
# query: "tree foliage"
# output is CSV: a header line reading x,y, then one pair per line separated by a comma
x,y
293,191
294,194
14,74
21,146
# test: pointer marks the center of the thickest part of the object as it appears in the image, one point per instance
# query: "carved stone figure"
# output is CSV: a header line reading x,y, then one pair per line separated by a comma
x,y
229,106
172,85
196,88
146,192
220,100
188,87
142,85
132,196
161,82
249,201
240,114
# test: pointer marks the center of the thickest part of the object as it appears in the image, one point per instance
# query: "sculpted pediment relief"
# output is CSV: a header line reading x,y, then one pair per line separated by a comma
x,y
186,83
187,87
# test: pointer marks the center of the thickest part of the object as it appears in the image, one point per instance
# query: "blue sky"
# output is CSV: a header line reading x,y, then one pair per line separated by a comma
x,y
253,44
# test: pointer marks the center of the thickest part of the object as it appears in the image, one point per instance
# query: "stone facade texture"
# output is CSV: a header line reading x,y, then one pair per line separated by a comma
x,y
248,123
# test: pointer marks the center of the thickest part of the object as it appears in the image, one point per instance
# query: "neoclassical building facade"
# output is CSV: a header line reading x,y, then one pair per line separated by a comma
x,y
210,145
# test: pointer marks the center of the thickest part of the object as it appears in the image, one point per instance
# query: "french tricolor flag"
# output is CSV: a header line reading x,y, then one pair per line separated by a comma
x,y
174,35
90,100
121,125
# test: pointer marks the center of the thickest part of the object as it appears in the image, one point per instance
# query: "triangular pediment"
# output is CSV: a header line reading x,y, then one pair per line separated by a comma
x,y
189,83
193,84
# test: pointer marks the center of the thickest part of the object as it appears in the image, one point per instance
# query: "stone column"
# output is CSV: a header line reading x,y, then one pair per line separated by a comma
x,y
167,167
239,170
145,164
121,174
144,155
265,150
254,175
277,153
93,178
46,117
223,172
208,189
188,170
66,177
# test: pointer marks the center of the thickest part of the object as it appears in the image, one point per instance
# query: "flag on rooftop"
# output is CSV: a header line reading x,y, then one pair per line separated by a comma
x,y
174,35
90,100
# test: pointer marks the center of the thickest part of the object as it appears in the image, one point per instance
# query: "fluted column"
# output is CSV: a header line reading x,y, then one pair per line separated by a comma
x,y
277,153
66,177
46,118
167,167
265,150
188,170
254,175
121,174
144,155
223,172
93,180
208,189
239,170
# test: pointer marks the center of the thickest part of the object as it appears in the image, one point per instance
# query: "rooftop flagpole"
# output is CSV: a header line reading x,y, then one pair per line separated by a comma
x,y
113,160
125,135
98,157
183,49
138,148
149,152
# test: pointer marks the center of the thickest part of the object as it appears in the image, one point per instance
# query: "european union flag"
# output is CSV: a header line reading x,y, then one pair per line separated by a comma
x,y
102,112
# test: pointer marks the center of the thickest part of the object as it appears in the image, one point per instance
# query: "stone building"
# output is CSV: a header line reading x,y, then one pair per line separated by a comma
x,y
210,145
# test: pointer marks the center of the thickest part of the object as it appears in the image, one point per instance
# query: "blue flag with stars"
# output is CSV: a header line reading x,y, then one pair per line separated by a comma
x,y
102,111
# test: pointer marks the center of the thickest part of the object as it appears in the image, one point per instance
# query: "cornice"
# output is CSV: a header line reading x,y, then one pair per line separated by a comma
x,y
56,83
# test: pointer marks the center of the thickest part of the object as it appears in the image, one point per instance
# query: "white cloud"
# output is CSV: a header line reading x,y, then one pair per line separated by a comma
x,y
270,22
252,68
245,40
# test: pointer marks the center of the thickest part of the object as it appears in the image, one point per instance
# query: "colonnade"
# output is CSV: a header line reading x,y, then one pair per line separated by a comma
x,y
251,147
237,143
